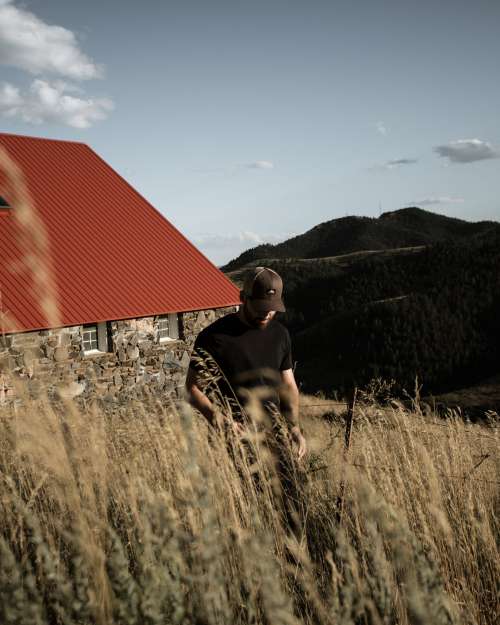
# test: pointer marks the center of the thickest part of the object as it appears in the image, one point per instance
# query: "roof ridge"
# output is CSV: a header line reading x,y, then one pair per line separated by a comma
x,y
18,136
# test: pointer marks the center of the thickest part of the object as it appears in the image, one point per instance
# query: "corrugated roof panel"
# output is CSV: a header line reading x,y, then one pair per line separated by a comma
x,y
114,255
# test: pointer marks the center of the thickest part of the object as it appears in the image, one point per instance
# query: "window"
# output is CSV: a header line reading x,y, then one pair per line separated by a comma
x,y
4,206
95,338
168,327
89,335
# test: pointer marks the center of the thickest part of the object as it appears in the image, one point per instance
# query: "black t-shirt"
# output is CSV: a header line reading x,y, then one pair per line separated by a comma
x,y
245,357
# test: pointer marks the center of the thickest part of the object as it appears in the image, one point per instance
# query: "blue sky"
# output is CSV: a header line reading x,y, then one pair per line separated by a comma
x,y
245,122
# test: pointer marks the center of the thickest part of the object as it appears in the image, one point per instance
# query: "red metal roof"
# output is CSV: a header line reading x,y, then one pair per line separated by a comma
x,y
114,256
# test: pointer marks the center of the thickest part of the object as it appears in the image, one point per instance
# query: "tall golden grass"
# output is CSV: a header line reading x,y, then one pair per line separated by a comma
x,y
138,514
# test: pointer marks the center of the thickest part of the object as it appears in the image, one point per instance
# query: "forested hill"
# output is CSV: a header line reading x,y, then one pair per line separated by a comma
x,y
406,227
431,312
434,314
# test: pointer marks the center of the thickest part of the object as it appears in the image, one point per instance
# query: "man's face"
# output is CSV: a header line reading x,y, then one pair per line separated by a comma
x,y
256,319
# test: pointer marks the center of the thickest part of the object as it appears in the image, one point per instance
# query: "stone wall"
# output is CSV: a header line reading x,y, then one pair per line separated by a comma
x,y
137,364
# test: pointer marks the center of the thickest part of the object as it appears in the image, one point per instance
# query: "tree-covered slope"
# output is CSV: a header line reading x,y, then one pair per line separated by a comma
x,y
402,228
431,312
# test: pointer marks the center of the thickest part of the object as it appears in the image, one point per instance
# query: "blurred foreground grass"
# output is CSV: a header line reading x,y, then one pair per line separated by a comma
x,y
138,516
134,516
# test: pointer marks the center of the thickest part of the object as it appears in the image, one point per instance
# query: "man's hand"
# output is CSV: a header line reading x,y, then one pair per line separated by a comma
x,y
198,399
300,441
289,396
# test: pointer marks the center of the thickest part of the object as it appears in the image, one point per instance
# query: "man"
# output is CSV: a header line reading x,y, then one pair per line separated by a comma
x,y
249,352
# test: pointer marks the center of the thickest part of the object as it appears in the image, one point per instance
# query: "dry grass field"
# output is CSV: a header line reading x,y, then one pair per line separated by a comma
x,y
139,515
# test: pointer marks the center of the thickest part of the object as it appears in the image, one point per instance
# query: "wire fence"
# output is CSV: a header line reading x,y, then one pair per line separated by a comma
x,y
353,422
440,473
380,423
381,468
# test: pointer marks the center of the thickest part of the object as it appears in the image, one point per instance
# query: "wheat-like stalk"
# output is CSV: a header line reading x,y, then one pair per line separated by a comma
x,y
33,242
139,514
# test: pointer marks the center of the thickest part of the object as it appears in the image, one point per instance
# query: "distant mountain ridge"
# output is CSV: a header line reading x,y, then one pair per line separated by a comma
x,y
406,227
411,295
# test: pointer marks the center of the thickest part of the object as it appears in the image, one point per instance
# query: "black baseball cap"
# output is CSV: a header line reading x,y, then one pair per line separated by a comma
x,y
264,288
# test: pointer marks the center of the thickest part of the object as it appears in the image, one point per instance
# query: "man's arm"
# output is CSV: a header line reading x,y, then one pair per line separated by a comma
x,y
289,396
197,397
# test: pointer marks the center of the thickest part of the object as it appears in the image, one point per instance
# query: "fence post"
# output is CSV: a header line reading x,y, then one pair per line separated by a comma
x,y
347,444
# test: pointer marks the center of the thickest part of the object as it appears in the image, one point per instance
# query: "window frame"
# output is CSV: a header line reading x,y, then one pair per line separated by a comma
x,y
101,338
173,327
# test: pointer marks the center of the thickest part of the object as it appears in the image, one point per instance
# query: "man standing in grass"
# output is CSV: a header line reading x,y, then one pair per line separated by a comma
x,y
248,354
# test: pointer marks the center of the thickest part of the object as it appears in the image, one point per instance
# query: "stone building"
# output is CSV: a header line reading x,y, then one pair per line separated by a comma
x,y
99,294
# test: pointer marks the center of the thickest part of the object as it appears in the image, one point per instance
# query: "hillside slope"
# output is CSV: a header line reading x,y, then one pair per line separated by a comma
x,y
406,227
431,312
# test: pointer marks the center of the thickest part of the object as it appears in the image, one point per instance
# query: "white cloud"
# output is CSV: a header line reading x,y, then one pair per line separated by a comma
x,y
221,248
381,128
32,45
443,199
260,165
246,237
28,43
52,102
401,161
467,151
10,99
394,164
235,168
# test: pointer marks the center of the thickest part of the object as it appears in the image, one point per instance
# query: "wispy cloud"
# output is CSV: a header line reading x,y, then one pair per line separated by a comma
x,y
467,151
31,45
28,43
246,237
260,165
234,168
52,102
433,200
221,248
381,128
400,161
394,164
